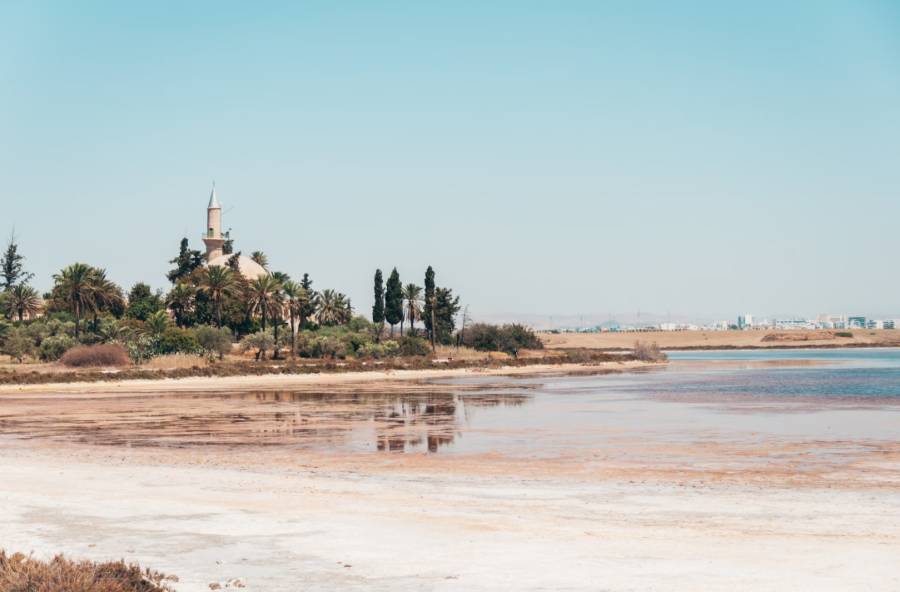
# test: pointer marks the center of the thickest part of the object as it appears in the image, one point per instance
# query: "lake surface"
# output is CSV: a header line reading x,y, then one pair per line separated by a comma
x,y
730,398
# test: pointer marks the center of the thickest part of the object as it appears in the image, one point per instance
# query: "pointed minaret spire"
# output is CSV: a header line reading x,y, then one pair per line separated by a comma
x,y
213,199
213,235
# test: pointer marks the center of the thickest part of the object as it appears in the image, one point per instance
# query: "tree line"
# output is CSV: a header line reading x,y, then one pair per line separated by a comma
x,y
208,308
436,307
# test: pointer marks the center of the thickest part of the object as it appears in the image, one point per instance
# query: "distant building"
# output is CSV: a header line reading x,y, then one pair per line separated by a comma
x,y
745,321
856,322
790,324
215,242
829,321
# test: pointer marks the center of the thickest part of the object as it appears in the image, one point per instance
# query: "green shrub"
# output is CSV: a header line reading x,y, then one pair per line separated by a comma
x,y
846,334
213,341
177,341
140,347
328,346
261,341
17,344
507,338
38,331
52,348
413,346
371,350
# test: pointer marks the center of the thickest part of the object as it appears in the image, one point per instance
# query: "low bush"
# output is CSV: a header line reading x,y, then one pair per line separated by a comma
x,y
21,573
261,341
53,348
845,334
648,352
213,340
177,341
388,349
107,354
17,344
414,346
506,338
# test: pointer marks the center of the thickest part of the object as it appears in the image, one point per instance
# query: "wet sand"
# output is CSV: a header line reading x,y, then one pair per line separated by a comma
x,y
476,483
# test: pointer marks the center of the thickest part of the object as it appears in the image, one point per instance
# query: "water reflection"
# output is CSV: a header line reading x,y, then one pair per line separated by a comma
x,y
376,421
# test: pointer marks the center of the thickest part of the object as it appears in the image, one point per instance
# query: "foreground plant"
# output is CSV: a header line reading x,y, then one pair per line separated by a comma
x,y
21,573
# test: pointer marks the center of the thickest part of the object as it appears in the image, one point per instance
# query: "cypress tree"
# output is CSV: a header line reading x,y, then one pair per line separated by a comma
x,y
378,307
11,266
393,300
187,261
446,307
308,308
429,299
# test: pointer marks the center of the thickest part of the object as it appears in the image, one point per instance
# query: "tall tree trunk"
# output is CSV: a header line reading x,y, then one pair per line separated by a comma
x,y
77,320
293,338
263,307
219,312
401,326
275,327
433,330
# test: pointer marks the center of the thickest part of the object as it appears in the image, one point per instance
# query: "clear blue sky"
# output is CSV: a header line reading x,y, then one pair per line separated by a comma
x,y
545,157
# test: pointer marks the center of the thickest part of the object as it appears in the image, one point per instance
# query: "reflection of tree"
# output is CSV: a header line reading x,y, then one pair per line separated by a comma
x,y
405,422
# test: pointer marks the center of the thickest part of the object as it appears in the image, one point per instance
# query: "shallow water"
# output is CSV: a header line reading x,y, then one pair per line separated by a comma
x,y
703,398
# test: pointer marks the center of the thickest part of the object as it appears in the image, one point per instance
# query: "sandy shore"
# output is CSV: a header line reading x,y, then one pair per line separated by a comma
x,y
724,339
368,379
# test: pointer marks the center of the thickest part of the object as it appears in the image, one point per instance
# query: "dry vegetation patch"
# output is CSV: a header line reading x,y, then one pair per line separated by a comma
x,y
176,361
107,354
21,573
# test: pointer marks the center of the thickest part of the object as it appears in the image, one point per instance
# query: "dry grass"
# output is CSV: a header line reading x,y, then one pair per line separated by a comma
x,y
107,354
720,339
449,352
648,352
20,573
176,361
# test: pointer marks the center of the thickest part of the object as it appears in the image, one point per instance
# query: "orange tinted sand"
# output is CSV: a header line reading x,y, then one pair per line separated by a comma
x,y
723,339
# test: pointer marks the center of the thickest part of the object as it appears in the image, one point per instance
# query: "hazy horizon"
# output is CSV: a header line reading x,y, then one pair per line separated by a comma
x,y
546,160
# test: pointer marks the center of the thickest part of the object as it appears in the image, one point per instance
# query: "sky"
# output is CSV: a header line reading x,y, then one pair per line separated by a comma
x,y
689,158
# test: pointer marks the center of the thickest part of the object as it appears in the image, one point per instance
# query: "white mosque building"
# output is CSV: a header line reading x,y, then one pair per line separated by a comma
x,y
215,242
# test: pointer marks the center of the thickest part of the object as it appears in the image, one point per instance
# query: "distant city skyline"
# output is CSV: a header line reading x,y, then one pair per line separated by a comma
x,y
554,159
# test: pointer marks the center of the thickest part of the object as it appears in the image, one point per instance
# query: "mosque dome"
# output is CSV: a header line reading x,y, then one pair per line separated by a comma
x,y
249,268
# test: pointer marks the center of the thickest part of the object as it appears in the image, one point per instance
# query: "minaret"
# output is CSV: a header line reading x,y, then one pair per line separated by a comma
x,y
213,237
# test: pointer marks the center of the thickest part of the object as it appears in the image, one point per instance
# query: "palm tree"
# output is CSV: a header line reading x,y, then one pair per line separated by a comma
x,y
23,300
276,311
157,323
261,294
332,308
181,300
104,295
297,298
74,287
412,294
260,257
218,283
